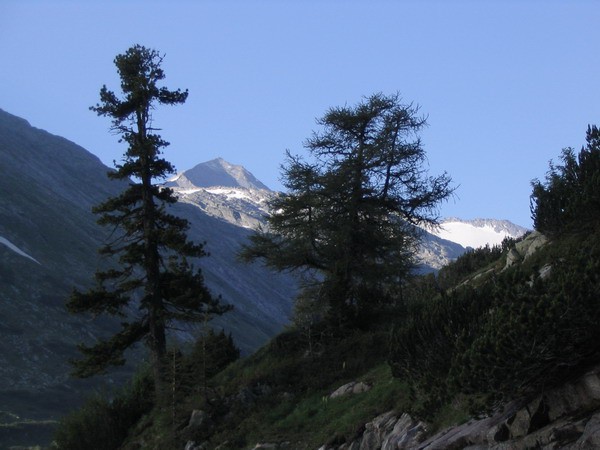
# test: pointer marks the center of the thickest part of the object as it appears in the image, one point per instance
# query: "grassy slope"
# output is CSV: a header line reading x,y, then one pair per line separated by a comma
x,y
289,396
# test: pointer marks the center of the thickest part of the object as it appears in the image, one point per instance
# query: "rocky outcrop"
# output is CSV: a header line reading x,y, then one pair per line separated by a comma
x,y
525,248
566,417
389,431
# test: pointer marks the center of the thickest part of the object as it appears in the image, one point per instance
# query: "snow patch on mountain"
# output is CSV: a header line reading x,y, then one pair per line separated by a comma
x,y
16,249
478,232
230,193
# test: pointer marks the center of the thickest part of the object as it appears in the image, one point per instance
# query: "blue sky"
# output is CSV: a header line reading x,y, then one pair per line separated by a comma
x,y
505,84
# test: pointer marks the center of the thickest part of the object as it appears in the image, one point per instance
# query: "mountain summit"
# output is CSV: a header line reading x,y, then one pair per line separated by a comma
x,y
217,172
224,191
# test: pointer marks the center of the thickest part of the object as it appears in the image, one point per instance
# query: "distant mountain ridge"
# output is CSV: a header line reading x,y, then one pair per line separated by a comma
x,y
242,200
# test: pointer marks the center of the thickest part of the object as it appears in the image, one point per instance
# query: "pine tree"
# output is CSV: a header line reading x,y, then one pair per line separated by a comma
x,y
154,276
350,213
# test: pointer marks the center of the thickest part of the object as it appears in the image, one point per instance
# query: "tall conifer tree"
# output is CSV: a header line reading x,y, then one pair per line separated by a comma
x,y
154,284
351,211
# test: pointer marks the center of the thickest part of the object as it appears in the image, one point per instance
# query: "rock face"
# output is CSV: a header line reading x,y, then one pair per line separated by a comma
x,y
434,252
219,172
566,417
48,187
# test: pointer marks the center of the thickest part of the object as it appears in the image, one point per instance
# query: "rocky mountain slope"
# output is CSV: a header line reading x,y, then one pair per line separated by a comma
x,y
238,197
49,242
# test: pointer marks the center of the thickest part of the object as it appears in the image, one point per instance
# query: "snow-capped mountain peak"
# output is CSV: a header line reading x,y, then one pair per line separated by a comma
x,y
225,191
217,172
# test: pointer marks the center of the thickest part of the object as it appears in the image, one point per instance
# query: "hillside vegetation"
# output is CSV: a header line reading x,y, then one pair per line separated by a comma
x,y
498,324
445,355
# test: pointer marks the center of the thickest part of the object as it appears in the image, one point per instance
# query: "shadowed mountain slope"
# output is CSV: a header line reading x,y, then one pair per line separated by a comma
x,y
48,245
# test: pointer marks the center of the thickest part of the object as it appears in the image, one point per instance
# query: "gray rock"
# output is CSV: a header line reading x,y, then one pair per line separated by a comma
x,y
545,271
388,432
407,433
535,241
526,248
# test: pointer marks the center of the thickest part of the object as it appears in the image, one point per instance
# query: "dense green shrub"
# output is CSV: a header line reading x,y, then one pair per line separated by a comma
x,y
103,422
188,376
539,332
512,335
433,333
336,353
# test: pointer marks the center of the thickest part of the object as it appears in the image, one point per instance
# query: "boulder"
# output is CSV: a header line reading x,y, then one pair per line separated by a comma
x,y
351,388
406,434
376,430
389,432
512,257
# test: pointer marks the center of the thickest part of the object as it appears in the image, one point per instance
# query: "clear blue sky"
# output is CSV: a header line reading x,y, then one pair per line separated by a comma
x,y
505,84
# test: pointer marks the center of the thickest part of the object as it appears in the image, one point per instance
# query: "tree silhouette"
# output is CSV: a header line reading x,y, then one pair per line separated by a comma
x,y
154,284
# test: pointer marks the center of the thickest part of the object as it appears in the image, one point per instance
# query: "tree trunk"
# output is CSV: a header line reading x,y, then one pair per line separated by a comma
x,y
153,297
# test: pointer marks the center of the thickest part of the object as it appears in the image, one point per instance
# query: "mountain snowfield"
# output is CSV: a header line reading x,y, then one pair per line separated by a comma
x,y
478,232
